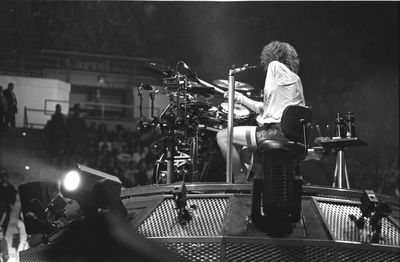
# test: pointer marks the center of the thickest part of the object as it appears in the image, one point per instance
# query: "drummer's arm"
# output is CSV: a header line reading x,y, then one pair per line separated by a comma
x,y
253,105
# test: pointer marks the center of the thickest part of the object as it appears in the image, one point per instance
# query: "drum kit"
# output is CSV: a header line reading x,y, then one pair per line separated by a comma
x,y
186,125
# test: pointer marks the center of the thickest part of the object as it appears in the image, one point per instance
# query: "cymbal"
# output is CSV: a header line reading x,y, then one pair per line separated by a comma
x,y
194,84
192,87
165,70
239,86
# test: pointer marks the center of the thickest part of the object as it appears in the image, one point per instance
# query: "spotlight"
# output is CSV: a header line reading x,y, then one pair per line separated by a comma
x,y
95,191
72,180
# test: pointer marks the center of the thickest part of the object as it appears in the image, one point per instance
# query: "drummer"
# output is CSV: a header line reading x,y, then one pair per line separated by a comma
x,y
282,88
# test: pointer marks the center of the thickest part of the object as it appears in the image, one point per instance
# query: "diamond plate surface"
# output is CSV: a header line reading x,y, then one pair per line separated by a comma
x,y
207,219
262,252
342,228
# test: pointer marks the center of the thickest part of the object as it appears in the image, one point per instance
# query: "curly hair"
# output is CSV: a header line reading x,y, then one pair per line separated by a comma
x,y
282,52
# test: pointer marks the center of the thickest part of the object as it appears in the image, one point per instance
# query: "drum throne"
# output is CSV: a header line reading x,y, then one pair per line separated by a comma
x,y
277,183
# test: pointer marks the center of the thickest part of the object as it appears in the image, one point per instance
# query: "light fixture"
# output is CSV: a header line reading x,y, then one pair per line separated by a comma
x,y
95,191
72,180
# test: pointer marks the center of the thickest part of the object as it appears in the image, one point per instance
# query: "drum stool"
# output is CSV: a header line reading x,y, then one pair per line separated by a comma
x,y
279,185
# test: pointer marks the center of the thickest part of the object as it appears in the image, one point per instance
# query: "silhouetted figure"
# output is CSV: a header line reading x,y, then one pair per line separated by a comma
x,y
11,105
3,108
55,131
76,132
8,195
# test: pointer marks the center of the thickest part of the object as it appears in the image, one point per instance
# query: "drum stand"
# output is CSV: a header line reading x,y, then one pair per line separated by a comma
x,y
194,156
170,136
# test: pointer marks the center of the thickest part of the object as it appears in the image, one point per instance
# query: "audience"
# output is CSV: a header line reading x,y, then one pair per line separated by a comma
x,y
123,154
116,152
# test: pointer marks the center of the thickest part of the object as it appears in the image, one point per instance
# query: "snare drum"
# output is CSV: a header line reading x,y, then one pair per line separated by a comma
x,y
240,113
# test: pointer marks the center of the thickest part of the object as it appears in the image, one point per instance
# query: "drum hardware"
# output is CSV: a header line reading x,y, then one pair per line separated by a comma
x,y
141,125
180,197
184,122
146,126
178,83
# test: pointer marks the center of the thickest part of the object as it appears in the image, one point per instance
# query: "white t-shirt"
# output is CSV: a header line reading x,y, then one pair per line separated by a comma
x,y
282,88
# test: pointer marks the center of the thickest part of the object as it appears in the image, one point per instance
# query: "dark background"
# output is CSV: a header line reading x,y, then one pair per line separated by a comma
x,y
349,55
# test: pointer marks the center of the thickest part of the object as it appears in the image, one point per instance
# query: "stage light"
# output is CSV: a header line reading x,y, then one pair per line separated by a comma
x,y
71,180
95,191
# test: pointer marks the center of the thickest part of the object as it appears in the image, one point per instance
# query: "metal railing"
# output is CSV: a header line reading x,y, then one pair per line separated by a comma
x,y
37,117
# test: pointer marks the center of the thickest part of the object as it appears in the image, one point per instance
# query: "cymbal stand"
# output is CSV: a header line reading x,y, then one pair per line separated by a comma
x,y
172,122
168,130
194,155
154,119
169,144
140,94
185,87
194,141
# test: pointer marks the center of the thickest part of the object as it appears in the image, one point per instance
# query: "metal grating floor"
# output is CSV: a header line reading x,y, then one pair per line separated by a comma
x,y
342,228
197,252
207,219
367,255
262,252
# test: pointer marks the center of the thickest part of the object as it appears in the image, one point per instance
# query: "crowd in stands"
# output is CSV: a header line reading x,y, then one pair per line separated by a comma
x,y
117,152
124,154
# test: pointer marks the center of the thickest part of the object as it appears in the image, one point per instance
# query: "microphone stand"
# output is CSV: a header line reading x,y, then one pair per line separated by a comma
x,y
231,102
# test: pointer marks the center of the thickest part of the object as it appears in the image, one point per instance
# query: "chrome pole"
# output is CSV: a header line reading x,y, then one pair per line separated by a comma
x,y
231,101
340,168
